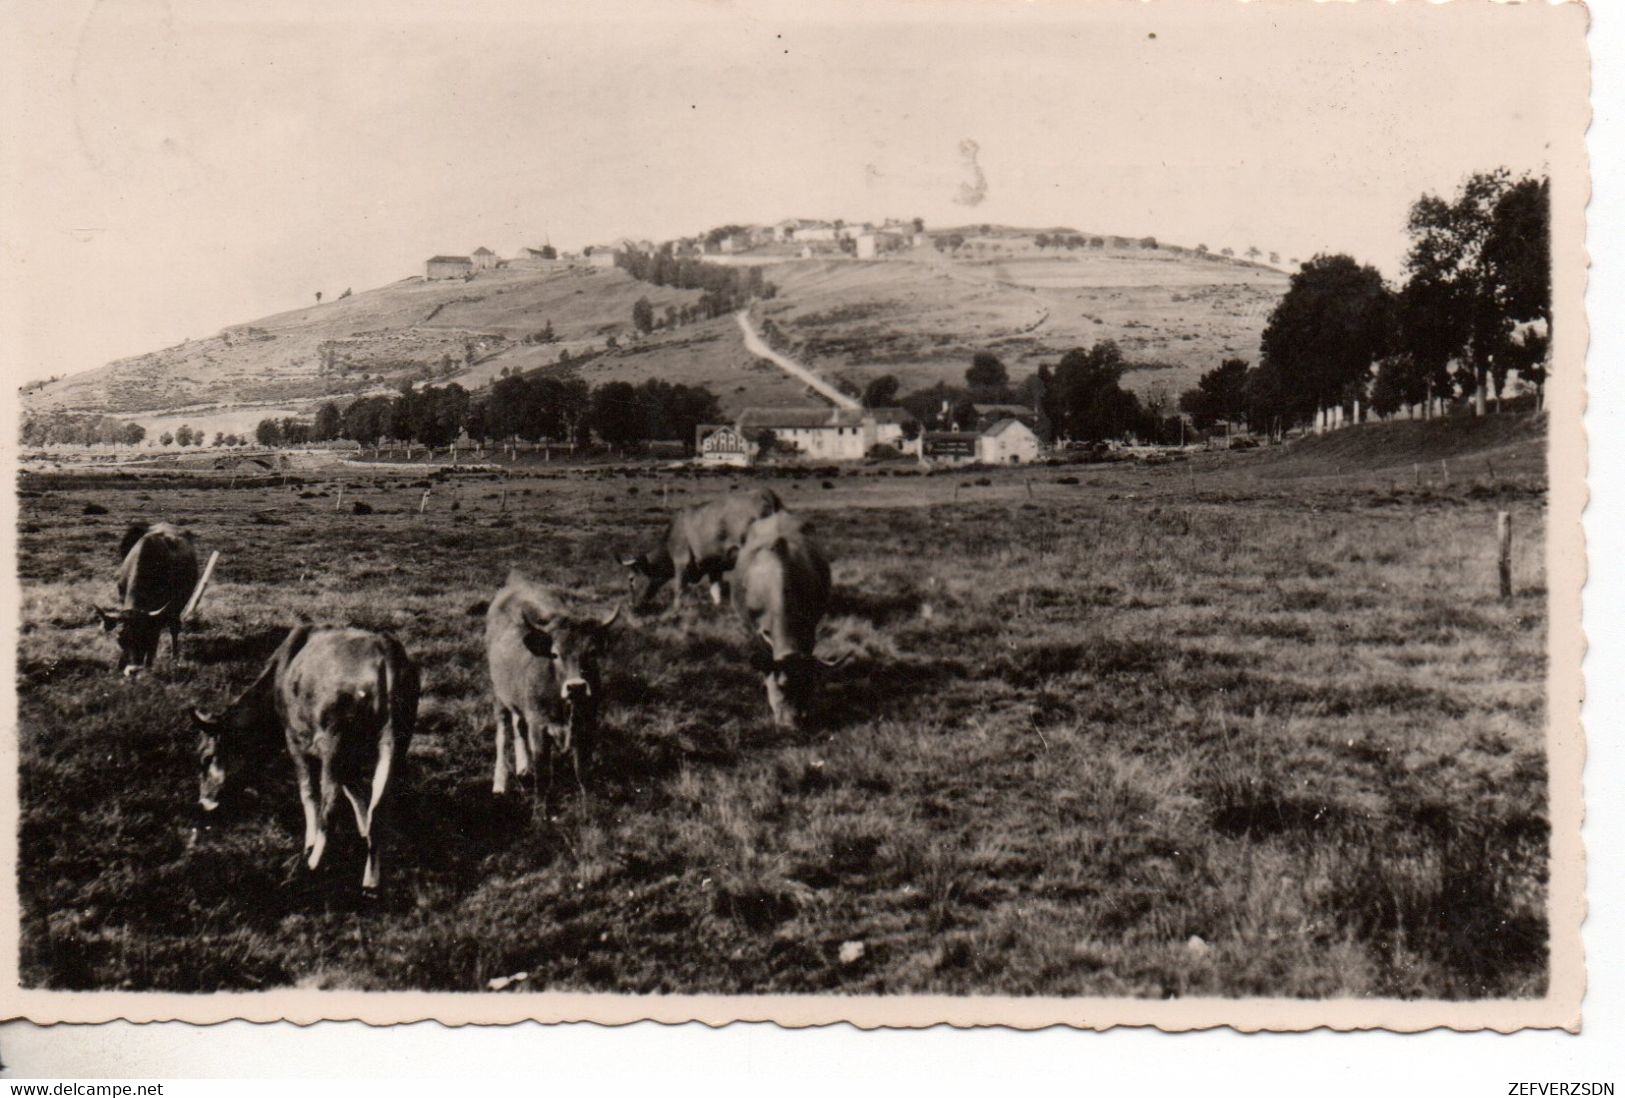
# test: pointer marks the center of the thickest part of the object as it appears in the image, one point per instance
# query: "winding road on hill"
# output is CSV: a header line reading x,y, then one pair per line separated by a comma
x,y
756,345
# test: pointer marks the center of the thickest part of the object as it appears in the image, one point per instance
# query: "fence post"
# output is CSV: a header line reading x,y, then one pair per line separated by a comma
x,y
1029,487
1444,468
340,501
424,502
1416,467
503,506
1503,543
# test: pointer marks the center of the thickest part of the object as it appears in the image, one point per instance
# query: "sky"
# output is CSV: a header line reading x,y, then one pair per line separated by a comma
x,y
173,167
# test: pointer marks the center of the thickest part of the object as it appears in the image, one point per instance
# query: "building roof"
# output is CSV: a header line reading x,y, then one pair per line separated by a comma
x,y
1004,425
756,418
483,251
451,259
1006,410
951,436
892,415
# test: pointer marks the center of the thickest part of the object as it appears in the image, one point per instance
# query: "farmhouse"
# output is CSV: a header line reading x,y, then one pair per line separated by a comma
x,y
484,259
1007,442
826,434
873,244
449,266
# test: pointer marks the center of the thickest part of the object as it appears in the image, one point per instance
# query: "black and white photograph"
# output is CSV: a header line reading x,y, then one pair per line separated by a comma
x,y
1056,513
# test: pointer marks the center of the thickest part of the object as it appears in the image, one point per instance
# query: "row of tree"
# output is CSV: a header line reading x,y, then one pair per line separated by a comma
x,y
723,289
533,408
1475,306
80,429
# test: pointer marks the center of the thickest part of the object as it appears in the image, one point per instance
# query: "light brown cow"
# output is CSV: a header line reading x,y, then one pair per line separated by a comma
x,y
545,680
781,590
346,702
701,542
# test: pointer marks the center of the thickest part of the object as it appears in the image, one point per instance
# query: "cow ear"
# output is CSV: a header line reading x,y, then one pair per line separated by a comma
x,y
538,642
108,621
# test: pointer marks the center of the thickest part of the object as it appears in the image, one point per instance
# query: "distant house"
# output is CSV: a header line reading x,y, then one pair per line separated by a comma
x,y
721,444
804,231
535,257
449,266
879,242
1007,442
484,259
601,255
989,414
1010,441
826,434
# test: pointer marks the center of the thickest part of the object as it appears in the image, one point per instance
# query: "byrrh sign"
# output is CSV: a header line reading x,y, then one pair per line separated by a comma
x,y
726,445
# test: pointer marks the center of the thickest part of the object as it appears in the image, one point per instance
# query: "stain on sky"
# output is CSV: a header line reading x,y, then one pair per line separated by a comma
x,y
971,193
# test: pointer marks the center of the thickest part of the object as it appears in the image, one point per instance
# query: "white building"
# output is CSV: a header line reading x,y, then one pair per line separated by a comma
x,y
1007,442
484,259
826,434
722,445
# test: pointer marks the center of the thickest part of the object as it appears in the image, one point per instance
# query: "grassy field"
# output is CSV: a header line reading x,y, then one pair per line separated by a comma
x,y
1149,731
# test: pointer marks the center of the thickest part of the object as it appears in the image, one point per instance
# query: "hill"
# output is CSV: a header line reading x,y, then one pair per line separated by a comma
x,y
919,315
1510,445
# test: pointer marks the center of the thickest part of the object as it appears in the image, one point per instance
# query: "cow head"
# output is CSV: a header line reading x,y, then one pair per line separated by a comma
x,y
137,631
574,646
792,681
644,577
219,758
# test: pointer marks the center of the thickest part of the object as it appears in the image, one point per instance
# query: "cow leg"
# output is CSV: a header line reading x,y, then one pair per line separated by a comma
x,y
363,826
522,746
307,797
324,813
679,576
175,641
716,590
775,700
499,779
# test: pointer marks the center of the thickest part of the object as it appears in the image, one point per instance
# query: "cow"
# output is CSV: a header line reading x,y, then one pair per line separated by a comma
x,y
346,703
156,575
545,683
701,542
781,588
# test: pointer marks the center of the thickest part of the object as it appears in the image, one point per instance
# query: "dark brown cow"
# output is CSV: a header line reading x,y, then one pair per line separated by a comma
x,y
701,542
156,575
781,590
346,703
545,681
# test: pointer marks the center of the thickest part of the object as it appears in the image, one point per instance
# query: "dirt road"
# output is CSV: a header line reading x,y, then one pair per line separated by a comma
x,y
756,345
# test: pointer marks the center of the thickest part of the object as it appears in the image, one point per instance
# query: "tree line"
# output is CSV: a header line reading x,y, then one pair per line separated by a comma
x,y
535,408
724,289
1474,307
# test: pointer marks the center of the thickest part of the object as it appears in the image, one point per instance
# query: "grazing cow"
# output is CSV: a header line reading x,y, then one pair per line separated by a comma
x,y
346,702
701,542
156,575
781,589
545,681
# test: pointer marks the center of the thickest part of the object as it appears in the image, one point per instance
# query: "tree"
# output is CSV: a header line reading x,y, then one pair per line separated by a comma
x,y
1275,259
268,432
1253,252
1086,399
919,224
881,392
166,439
616,413
133,434
1480,263
549,252
219,438
183,435
643,315
318,297
1220,394
1317,349
986,372
1227,252
1042,240
328,423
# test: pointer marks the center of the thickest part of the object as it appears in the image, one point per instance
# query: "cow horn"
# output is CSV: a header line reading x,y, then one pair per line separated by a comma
x,y
158,613
836,662
101,614
627,562
613,614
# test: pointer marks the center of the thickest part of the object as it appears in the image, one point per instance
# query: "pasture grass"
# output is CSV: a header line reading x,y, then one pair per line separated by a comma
x,y
1150,734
